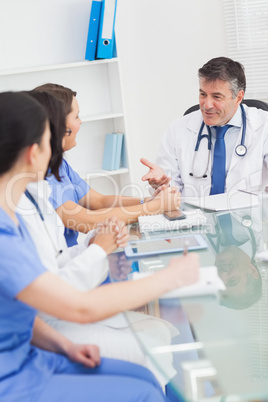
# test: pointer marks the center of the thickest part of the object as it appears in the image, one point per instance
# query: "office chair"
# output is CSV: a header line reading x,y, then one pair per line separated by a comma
x,y
249,102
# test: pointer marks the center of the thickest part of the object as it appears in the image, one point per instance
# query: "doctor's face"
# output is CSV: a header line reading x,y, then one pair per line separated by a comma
x,y
235,269
217,103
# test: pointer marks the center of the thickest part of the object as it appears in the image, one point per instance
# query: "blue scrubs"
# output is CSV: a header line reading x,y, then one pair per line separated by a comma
x,y
71,188
30,374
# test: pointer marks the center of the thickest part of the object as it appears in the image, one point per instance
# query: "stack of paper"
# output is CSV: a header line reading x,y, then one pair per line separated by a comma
x,y
224,202
154,223
209,284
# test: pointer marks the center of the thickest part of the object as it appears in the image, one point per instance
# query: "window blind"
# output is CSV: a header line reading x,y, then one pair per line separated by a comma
x,y
246,23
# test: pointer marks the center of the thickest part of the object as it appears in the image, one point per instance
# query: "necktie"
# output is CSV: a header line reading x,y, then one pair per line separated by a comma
x,y
218,170
225,222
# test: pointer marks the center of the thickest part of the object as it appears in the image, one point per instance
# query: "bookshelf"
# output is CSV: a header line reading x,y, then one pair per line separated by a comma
x,y
99,95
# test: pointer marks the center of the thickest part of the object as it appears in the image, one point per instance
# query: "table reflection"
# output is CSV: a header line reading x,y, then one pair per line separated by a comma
x,y
230,330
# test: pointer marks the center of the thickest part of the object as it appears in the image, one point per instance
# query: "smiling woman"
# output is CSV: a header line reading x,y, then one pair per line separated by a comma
x,y
80,206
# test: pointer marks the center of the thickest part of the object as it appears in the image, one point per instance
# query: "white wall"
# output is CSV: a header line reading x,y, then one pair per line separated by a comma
x,y
161,44
39,32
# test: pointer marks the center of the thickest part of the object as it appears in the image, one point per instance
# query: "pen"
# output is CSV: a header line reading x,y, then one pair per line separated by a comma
x,y
186,245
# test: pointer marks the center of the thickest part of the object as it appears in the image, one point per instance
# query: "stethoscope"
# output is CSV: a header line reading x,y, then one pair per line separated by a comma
x,y
240,149
31,198
247,223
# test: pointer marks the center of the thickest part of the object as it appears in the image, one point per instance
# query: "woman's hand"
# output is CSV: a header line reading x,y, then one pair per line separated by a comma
x,y
111,234
119,266
88,355
169,199
155,193
184,271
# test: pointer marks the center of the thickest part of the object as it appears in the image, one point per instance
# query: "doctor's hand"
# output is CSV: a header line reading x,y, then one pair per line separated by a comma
x,y
156,176
88,355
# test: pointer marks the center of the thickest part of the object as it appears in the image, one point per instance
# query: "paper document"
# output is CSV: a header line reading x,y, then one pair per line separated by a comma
x,y
209,284
154,223
225,201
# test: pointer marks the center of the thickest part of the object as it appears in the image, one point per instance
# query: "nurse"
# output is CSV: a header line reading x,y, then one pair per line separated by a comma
x,y
86,267
79,206
33,354
219,148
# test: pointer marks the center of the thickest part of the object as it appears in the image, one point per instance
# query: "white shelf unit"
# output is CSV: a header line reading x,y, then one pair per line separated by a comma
x,y
99,96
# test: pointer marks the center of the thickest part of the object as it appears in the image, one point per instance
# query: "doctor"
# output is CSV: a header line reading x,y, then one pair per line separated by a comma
x,y
221,147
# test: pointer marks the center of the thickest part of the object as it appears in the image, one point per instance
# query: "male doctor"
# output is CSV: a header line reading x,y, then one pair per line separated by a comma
x,y
203,153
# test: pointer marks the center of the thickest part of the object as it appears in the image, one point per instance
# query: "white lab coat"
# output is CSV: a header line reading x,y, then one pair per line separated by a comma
x,y
82,267
86,268
176,154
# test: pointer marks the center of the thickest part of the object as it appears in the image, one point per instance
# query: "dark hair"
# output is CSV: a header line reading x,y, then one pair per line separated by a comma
x,y
63,94
225,69
56,117
22,124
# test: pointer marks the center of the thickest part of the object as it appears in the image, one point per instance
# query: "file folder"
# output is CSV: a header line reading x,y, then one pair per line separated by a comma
x,y
106,39
119,143
124,160
93,30
108,161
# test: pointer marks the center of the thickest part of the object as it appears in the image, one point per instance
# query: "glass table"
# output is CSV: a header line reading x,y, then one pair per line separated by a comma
x,y
218,344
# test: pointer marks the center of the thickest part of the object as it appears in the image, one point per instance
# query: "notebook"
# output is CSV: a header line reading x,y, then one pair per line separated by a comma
x,y
154,223
224,202
209,284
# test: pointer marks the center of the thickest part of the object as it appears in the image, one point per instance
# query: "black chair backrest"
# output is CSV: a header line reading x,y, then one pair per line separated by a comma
x,y
249,102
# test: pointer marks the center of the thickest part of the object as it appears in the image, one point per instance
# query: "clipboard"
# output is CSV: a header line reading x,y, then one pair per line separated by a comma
x,y
173,244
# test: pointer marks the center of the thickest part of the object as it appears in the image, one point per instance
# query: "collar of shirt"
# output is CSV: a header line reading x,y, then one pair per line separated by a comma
x,y
7,225
230,137
40,191
236,122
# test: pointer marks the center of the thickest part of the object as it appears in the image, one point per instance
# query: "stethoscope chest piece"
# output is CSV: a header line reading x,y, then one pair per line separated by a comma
x,y
241,150
247,221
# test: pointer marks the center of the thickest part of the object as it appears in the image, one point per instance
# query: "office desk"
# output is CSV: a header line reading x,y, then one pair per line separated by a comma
x,y
221,351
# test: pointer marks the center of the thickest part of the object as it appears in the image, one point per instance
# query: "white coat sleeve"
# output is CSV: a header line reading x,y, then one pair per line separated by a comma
x,y
87,270
167,157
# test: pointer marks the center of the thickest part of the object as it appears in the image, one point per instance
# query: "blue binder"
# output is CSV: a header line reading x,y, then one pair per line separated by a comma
x,y
106,39
109,154
93,30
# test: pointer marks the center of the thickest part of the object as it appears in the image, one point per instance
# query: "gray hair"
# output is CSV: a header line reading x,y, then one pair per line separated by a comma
x,y
225,69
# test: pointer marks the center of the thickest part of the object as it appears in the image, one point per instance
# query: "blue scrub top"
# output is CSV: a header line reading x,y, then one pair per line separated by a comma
x,y
24,369
71,188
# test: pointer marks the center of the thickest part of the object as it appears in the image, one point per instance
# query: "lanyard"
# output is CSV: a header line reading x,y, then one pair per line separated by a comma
x,y
31,198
